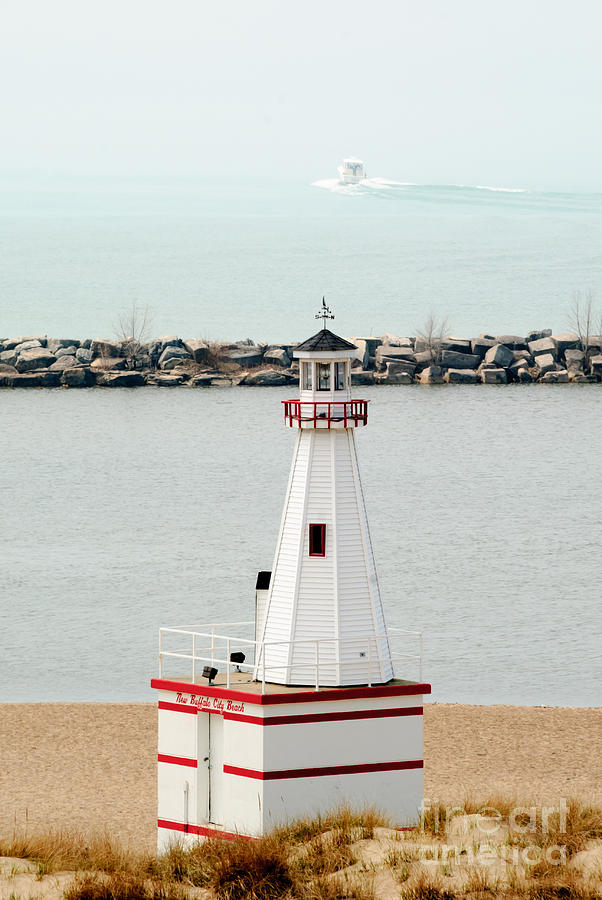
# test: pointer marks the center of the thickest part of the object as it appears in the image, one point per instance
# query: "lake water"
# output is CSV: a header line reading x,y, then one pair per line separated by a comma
x,y
252,258
126,510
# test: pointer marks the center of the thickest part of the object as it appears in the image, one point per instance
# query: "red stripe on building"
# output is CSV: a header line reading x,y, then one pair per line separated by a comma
x,y
324,770
327,717
202,831
383,690
177,760
178,707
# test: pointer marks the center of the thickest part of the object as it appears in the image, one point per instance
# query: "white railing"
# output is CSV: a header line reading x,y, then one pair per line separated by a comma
x,y
212,648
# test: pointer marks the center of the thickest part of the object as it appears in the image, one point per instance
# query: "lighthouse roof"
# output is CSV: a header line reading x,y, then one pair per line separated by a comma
x,y
326,340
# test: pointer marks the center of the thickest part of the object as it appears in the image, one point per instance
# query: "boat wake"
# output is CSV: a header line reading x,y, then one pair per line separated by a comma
x,y
372,185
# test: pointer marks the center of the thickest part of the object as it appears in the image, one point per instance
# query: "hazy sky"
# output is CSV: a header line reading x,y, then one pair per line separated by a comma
x,y
461,91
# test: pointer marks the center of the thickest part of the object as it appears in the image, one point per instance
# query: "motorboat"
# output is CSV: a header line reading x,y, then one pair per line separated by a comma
x,y
352,170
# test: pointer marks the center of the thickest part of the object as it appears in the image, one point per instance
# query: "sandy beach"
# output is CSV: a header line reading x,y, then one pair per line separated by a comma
x,y
93,765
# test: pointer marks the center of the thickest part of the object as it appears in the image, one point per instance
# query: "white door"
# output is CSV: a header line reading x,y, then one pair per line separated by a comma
x,y
216,769
202,777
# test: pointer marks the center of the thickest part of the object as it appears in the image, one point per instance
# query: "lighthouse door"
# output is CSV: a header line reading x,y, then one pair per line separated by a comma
x,y
216,769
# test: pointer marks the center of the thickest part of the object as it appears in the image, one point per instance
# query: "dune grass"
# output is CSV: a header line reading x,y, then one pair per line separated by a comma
x,y
320,859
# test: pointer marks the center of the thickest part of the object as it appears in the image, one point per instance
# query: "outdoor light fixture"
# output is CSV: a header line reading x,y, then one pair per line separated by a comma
x,y
237,658
210,673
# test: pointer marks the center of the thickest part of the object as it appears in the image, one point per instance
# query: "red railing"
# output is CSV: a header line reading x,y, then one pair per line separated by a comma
x,y
349,413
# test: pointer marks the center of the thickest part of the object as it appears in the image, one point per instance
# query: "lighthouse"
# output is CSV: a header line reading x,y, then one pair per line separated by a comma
x,y
314,702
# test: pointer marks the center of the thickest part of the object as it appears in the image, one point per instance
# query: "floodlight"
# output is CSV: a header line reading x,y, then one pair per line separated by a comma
x,y
209,672
238,657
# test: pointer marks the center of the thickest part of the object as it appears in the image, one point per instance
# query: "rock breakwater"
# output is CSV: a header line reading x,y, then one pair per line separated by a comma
x,y
540,356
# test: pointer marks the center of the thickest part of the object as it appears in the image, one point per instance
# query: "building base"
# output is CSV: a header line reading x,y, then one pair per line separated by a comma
x,y
236,762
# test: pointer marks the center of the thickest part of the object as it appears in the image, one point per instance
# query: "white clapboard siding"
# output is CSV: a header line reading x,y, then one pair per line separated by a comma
x,y
333,599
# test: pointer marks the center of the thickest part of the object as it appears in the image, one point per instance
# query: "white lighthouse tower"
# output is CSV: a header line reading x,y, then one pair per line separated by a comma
x,y
311,704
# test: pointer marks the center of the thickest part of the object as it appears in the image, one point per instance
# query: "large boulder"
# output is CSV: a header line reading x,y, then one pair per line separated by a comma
x,y
38,358
393,378
11,343
173,352
452,360
523,376
387,353
561,377
359,376
198,349
493,376
28,345
362,354
277,356
545,362
421,344
106,363
574,359
595,364
538,335
460,345
77,377
425,358
371,343
66,351
64,362
121,379
580,378
106,348
55,344
84,355
37,379
6,378
245,356
500,356
7,370
202,380
175,361
543,345
523,354
516,367
393,340
460,376
161,380
9,357
266,378
399,366
479,346
27,379
565,342
431,375
512,341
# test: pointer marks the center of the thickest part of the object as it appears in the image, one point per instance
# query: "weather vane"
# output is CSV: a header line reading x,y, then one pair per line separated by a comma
x,y
325,313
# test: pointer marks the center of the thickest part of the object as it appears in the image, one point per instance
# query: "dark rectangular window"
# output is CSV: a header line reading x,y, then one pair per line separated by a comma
x,y
317,540
339,376
323,376
306,369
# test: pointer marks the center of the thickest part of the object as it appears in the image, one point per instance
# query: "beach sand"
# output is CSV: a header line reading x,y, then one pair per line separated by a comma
x,y
92,766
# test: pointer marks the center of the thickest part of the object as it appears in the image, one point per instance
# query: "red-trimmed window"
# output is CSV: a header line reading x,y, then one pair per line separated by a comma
x,y
317,540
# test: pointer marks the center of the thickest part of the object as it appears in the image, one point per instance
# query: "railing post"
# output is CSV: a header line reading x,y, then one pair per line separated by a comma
x,y
369,662
317,665
263,667
213,646
160,653
229,664
193,657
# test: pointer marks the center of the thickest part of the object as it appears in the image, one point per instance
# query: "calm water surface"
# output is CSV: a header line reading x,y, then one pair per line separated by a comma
x,y
125,510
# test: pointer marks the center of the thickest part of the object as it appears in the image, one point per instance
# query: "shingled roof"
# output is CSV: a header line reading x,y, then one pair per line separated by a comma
x,y
326,340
